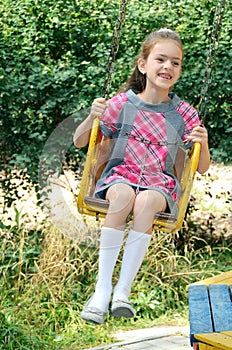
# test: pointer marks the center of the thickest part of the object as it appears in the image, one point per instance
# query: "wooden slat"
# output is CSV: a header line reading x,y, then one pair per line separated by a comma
x,y
221,306
228,333
223,278
96,202
220,341
199,311
220,302
166,216
206,347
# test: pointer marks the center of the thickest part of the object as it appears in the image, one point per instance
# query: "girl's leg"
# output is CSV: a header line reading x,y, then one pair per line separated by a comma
x,y
134,252
147,204
110,243
121,198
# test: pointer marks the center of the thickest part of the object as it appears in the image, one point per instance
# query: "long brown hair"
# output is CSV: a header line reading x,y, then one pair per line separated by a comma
x,y
137,80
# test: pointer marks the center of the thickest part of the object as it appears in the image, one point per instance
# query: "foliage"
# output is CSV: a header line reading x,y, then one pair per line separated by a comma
x,y
53,62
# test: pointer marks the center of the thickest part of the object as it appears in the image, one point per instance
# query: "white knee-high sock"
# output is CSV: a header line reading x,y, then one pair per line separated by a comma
x,y
135,249
111,241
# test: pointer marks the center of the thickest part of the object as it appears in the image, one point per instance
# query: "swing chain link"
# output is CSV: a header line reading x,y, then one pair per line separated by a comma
x,y
208,74
213,46
114,47
143,140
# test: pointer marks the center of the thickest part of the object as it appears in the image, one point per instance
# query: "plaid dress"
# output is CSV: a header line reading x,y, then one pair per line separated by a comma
x,y
146,140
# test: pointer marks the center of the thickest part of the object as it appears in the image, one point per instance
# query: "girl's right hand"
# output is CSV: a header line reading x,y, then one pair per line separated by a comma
x,y
98,107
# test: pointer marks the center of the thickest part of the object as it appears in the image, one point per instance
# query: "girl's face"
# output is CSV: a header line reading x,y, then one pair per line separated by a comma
x,y
163,65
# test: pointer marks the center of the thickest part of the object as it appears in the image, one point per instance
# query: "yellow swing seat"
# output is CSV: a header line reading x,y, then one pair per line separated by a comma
x,y
89,205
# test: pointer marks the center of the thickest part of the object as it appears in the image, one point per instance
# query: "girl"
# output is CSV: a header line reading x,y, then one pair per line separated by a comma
x,y
148,124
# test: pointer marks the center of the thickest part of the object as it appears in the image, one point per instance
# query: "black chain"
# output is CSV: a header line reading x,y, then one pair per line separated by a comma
x,y
114,47
213,46
208,74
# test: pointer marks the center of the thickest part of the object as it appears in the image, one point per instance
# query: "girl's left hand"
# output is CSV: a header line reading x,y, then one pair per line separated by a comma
x,y
199,134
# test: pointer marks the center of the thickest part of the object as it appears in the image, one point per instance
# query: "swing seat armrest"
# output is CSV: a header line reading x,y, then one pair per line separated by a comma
x,y
96,202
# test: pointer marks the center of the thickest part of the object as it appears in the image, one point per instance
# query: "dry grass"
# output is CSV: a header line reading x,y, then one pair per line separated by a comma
x,y
210,197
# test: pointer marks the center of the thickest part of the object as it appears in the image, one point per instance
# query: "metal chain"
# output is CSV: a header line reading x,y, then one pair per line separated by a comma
x,y
213,46
147,142
142,139
207,75
142,171
114,47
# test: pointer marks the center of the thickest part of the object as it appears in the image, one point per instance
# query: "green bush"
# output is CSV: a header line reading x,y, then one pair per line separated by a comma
x,y
53,58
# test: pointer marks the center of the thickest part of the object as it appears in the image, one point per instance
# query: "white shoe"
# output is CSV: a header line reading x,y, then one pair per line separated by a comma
x,y
120,308
93,315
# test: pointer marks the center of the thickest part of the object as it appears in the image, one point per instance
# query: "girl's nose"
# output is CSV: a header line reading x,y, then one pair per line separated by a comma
x,y
167,64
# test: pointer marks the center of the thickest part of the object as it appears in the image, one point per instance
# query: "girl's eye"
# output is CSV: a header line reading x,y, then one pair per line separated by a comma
x,y
159,59
176,64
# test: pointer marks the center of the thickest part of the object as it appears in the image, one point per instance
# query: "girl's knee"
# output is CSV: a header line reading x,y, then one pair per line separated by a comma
x,y
147,204
121,193
150,200
121,198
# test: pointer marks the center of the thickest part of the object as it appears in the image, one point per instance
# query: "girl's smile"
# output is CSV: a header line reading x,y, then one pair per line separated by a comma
x,y
165,76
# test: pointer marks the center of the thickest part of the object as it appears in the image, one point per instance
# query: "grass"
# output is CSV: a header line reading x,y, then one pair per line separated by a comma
x,y
45,279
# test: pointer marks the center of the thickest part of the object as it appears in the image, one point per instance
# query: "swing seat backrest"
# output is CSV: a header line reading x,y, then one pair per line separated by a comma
x,y
97,156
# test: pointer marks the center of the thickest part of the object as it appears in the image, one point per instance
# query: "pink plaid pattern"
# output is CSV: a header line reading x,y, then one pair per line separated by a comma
x,y
151,127
111,114
190,116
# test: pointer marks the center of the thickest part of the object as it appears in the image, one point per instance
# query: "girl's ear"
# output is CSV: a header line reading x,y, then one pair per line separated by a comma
x,y
141,65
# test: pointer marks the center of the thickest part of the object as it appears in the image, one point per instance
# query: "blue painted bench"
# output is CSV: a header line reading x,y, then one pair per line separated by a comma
x,y
210,313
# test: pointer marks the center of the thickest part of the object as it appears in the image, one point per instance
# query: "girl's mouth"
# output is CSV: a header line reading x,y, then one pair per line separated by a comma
x,y
165,76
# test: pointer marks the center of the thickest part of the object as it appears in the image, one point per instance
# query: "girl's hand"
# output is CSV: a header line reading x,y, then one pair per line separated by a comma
x,y
83,131
199,134
98,107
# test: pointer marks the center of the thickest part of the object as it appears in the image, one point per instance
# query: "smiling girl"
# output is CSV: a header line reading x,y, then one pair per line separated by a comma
x,y
148,124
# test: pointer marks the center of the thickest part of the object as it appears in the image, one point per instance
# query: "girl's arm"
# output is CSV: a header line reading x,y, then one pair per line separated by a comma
x,y
200,134
82,133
